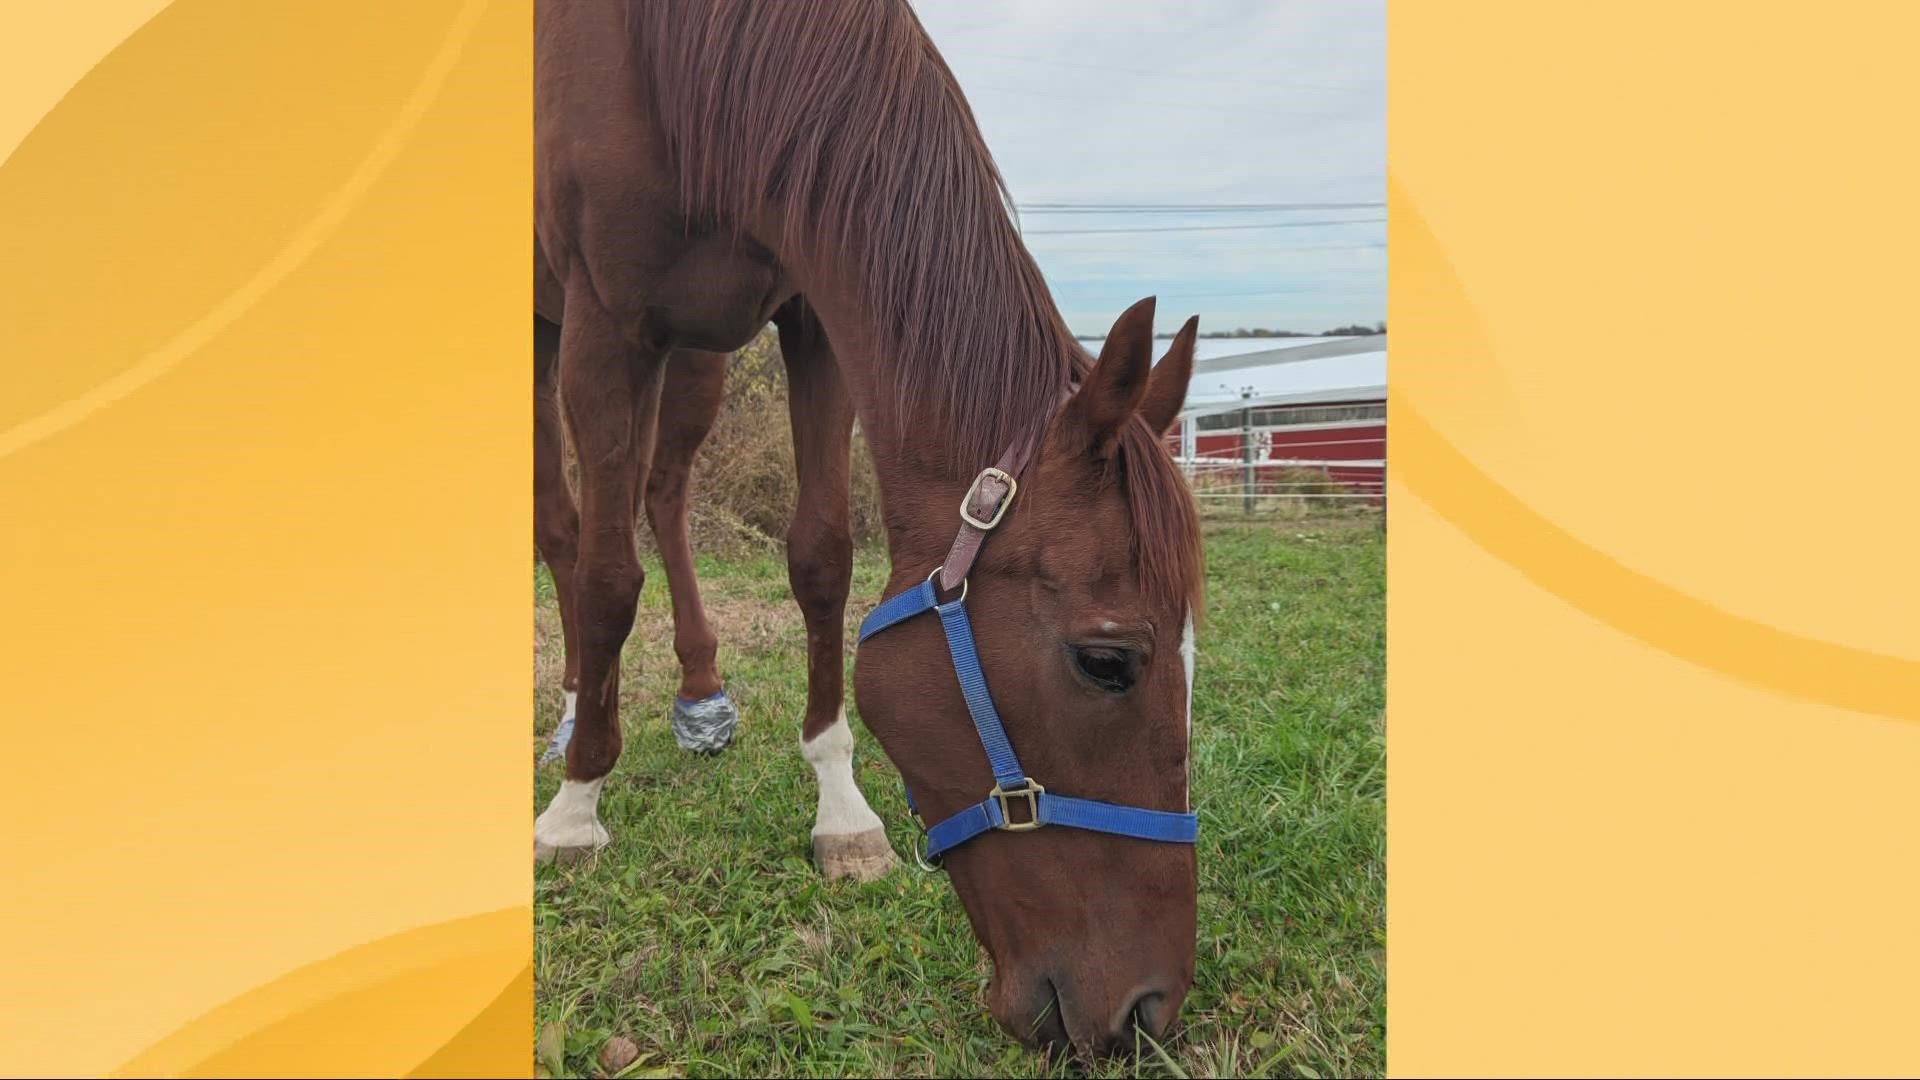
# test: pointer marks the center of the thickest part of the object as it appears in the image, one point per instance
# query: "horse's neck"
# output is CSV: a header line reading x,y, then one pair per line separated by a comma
x,y
905,457
911,456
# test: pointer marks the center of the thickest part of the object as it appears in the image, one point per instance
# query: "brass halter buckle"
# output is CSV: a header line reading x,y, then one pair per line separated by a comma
x,y
1031,792
999,511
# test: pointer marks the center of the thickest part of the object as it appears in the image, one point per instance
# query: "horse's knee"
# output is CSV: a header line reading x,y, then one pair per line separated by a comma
x,y
556,529
820,570
608,595
666,494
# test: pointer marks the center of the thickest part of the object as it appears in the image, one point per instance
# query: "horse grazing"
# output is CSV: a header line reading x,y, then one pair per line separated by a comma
x,y
703,169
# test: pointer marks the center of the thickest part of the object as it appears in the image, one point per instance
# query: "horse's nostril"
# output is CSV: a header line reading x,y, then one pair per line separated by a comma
x,y
1149,1011
1049,1030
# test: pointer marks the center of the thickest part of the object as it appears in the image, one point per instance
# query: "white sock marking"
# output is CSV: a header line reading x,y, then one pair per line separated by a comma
x,y
1186,656
573,698
572,819
843,810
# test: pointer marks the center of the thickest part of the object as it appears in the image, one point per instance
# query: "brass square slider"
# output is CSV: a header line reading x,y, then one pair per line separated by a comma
x,y
999,510
1031,793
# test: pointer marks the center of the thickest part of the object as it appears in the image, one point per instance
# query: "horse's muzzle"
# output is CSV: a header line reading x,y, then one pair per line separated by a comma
x,y
1042,1015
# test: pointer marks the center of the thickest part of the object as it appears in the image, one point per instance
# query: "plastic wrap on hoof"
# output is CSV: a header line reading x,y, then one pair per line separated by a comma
x,y
557,745
705,726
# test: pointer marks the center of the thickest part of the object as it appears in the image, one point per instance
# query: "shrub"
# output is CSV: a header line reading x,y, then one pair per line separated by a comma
x,y
743,486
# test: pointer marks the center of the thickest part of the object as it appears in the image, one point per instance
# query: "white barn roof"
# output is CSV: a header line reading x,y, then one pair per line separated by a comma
x,y
1237,373
1296,372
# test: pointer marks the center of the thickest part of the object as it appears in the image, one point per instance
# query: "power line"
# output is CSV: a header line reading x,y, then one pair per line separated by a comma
x,y
1068,296
1191,208
1263,250
1208,228
1177,294
1184,78
1191,107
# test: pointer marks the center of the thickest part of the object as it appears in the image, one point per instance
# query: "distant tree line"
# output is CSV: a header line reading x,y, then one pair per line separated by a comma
x,y
1355,330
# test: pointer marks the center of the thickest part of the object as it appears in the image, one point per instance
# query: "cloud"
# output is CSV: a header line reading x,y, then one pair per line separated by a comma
x,y
1179,102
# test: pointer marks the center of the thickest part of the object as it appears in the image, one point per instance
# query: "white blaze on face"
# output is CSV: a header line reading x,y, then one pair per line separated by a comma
x,y
1186,657
843,810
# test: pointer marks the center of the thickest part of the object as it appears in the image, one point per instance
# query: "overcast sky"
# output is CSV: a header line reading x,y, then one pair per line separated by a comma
x,y
1201,101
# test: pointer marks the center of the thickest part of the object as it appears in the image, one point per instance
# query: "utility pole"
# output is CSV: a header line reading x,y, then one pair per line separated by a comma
x,y
1246,450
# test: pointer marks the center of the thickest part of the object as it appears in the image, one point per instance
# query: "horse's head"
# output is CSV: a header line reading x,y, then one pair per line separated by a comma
x,y
1081,605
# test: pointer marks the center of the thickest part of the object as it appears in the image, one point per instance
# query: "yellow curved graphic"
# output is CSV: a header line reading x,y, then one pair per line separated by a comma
x,y
333,209
1654,612
1454,370
415,1003
497,1034
38,68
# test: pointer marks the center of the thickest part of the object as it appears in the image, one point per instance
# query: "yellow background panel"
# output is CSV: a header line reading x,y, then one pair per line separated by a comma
x,y
264,463
1652,637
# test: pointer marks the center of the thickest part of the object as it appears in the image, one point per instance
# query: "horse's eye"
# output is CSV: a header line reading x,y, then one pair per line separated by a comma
x,y
1109,668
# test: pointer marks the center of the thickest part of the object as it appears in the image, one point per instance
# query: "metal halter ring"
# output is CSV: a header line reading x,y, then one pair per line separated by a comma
x,y
920,857
963,581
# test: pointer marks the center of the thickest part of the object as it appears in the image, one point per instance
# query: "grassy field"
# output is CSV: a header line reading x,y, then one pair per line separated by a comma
x,y
704,935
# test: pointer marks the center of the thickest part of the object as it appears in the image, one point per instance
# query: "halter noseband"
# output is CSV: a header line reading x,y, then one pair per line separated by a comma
x,y
985,504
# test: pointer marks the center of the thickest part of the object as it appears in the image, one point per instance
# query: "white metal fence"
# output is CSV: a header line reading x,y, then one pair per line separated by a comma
x,y
1257,475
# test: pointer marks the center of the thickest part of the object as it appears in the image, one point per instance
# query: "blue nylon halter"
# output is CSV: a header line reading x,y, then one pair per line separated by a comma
x,y
1011,783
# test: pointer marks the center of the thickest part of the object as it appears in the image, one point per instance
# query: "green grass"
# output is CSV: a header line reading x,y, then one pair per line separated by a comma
x,y
704,934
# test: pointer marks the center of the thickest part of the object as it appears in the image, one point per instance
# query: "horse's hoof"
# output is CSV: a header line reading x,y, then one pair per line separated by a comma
x,y
864,856
705,726
569,829
563,855
568,844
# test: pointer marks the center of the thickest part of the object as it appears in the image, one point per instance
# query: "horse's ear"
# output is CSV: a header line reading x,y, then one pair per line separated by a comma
x,y
1167,386
1117,384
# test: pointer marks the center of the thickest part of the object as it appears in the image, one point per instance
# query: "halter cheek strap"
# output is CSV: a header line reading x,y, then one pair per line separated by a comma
x,y
1017,802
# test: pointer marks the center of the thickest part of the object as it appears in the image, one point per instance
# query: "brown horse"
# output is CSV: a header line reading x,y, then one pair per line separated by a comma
x,y
703,169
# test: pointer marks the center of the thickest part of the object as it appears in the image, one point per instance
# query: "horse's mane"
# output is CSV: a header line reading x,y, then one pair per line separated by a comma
x,y
840,119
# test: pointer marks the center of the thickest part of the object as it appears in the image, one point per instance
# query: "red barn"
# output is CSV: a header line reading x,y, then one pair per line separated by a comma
x,y
1311,415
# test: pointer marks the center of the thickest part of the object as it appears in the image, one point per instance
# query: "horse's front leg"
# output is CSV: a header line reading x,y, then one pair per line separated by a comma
x,y
703,717
611,397
848,838
556,522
